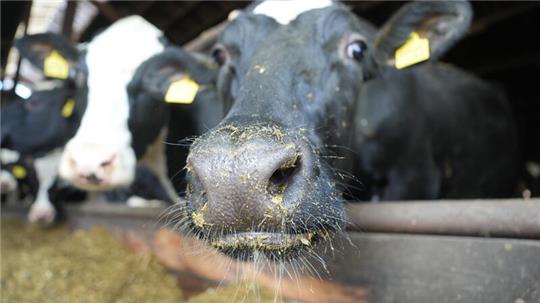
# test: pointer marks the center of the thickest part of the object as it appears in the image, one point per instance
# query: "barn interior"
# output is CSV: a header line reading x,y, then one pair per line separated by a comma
x,y
499,45
482,251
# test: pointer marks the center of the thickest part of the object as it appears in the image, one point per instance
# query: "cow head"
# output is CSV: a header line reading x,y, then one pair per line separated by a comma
x,y
264,179
172,80
44,121
100,156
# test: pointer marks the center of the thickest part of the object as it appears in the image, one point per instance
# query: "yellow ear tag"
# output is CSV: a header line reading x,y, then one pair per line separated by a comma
x,y
56,66
182,91
67,109
19,172
415,50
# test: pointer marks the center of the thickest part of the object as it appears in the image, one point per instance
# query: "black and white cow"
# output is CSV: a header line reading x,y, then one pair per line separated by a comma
x,y
36,129
125,120
306,80
44,121
18,178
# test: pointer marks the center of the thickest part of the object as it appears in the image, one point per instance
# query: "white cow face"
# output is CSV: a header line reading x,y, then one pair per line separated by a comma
x,y
100,156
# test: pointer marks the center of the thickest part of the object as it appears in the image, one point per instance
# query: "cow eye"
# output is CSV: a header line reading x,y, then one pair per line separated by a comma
x,y
356,50
220,55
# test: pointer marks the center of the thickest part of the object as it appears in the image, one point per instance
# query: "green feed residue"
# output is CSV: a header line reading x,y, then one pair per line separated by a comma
x,y
57,265
244,292
198,216
241,135
91,266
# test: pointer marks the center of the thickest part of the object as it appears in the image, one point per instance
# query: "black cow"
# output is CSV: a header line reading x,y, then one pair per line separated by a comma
x,y
35,128
18,178
44,121
267,178
149,114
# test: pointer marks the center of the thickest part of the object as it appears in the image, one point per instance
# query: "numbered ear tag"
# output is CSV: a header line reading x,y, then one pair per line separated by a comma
x,y
415,50
19,172
56,66
182,91
67,109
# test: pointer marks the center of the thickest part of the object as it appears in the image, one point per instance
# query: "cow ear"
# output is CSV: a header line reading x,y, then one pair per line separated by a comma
x,y
421,31
50,52
176,76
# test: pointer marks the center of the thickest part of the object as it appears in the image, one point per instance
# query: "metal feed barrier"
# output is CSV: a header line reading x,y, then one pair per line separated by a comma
x,y
421,251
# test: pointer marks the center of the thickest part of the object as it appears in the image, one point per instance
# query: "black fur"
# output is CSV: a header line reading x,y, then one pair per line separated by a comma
x,y
149,113
36,126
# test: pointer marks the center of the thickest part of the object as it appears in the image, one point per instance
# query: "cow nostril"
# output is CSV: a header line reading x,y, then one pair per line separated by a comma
x,y
92,178
281,177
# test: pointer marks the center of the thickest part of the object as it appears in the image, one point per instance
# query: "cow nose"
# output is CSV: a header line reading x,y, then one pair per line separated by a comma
x,y
76,163
91,178
245,187
92,166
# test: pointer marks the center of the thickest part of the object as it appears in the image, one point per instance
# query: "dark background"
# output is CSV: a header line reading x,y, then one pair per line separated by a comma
x,y
503,44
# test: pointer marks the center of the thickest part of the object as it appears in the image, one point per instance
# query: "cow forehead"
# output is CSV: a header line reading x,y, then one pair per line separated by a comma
x,y
122,47
112,58
286,11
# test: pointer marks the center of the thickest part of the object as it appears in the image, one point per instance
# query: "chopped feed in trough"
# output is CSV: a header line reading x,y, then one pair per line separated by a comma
x,y
244,292
61,265
56,265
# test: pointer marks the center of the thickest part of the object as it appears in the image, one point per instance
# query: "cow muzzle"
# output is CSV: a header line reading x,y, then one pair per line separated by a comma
x,y
97,167
252,188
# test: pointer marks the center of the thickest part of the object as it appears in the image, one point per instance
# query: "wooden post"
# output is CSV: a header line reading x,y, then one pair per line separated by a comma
x,y
26,19
107,10
67,22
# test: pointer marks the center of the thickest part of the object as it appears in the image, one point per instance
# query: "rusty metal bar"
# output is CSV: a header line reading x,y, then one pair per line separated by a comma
x,y
514,218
